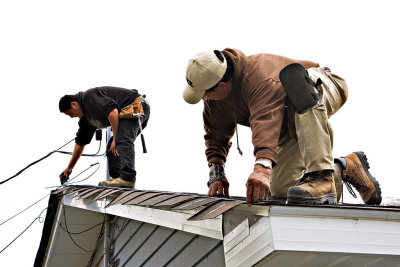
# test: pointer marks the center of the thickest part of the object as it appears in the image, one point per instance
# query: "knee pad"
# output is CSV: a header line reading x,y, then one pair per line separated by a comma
x,y
301,90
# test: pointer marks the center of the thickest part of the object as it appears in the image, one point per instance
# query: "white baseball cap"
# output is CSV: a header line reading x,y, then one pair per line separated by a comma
x,y
203,72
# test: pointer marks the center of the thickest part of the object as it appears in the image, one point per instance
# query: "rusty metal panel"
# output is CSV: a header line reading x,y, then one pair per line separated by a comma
x,y
61,190
91,193
214,210
119,197
105,193
142,198
158,199
196,203
175,201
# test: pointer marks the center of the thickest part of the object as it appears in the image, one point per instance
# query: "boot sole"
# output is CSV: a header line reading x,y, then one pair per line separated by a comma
x,y
325,199
376,197
120,186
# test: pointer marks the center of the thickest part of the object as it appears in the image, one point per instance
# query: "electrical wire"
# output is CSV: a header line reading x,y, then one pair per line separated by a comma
x,y
49,154
98,167
88,155
55,189
84,231
38,217
33,163
69,234
98,244
24,210
85,155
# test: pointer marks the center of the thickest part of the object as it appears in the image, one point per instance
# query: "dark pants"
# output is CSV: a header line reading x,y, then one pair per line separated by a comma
x,y
128,129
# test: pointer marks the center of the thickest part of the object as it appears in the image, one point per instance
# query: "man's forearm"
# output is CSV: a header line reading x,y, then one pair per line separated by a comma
x,y
114,120
76,154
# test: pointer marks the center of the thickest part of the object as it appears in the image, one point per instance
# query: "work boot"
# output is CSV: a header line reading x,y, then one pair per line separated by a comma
x,y
355,172
315,188
118,182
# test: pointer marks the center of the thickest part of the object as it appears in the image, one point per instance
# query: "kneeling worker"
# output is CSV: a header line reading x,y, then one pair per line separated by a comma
x,y
286,103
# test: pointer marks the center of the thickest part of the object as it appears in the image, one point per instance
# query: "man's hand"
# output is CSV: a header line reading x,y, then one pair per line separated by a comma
x,y
219,188
258,184
218,184
64,176
113,148
113,118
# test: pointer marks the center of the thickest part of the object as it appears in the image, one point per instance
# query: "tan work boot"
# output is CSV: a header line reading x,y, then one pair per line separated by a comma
x,y
118,182
355,172
316,188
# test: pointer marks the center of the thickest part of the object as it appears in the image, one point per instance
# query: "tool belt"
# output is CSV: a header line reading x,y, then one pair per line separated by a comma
x,y
133,108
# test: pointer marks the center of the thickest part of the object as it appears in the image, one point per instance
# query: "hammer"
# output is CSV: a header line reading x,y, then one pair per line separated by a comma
x,y
139,116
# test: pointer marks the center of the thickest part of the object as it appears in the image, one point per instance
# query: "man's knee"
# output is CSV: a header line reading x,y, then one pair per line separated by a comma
x,y
333,89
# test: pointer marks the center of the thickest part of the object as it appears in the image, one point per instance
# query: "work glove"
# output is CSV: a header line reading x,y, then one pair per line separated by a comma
x,y
217,183
258,185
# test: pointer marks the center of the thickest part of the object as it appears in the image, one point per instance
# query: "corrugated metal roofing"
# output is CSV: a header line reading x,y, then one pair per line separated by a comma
x,y
155,199
266,234
213,206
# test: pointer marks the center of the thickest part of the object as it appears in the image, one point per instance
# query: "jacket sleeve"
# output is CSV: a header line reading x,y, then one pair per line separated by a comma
x,y
85,132
219,125
267,106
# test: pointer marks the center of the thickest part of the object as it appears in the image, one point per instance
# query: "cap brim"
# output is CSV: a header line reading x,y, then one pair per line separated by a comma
x,y
192,96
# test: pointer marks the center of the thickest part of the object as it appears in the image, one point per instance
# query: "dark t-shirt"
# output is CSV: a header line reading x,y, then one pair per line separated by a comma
x,y
96,104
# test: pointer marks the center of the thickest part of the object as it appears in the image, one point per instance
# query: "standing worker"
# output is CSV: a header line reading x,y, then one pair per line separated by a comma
x,y
99,108
287,108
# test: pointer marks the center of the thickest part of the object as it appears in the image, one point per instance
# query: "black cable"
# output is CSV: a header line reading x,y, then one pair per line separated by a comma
x,y
49,154
85,155
69,234
70,182
18,173
56,189
19,235
84,231
88,155
33,163
38,217
24,210
101,233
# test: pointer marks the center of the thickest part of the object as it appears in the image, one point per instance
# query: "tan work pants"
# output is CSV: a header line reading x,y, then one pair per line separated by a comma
x,y
313,149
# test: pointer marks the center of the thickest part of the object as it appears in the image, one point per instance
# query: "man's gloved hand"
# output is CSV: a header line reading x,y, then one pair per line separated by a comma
x,y
258,184
217,183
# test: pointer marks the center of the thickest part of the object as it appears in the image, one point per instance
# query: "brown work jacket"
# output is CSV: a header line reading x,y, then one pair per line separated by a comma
x,y
257,100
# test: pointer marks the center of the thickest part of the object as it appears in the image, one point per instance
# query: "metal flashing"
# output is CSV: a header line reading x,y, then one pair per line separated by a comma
x,y
215,210
121,196
142,198
196,203
176,200
105,193
157,199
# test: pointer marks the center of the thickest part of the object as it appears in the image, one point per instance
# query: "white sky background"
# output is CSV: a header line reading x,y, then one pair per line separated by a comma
x,y
52,48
